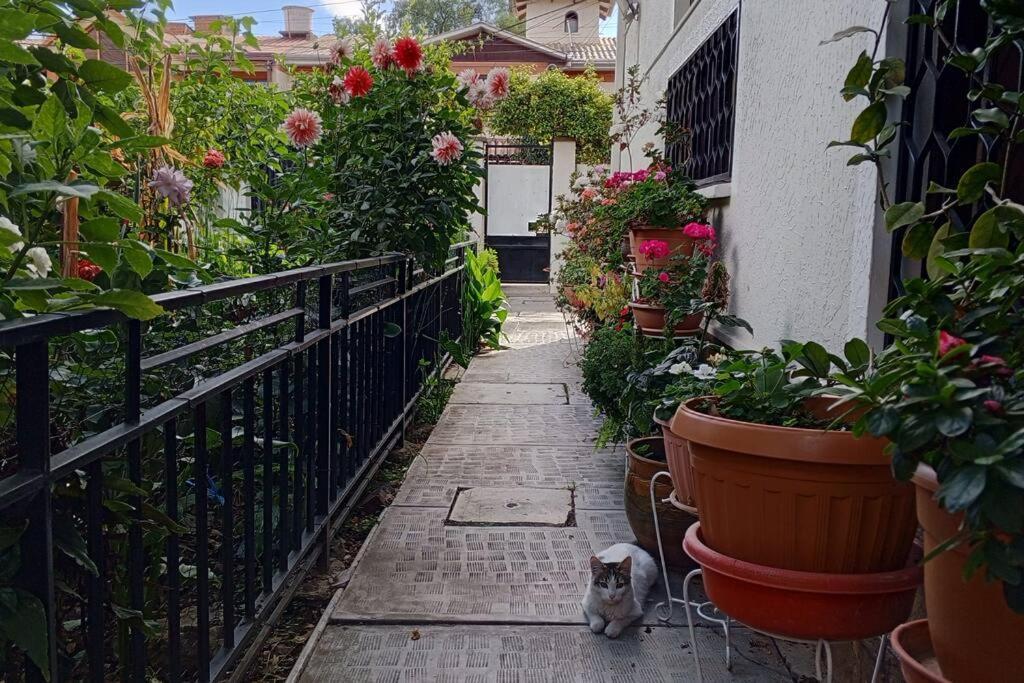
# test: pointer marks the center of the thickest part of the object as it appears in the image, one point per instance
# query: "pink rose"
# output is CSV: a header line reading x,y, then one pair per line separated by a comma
x,y
663,276
997,363
994,407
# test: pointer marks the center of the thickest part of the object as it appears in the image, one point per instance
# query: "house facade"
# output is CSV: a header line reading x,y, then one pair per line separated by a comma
x,y
800,230
549,34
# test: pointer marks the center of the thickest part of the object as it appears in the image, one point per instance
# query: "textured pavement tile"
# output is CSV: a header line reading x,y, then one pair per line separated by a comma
x,y
420,570
479,393
516,425
507,506
441,470
537,654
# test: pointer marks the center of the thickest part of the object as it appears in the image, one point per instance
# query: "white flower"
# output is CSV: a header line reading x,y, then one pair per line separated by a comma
x,y
6,224
39,261
705,371
717,359
680,368
25,152
343,50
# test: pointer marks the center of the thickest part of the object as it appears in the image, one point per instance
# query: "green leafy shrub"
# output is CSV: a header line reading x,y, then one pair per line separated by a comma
x,y
484,308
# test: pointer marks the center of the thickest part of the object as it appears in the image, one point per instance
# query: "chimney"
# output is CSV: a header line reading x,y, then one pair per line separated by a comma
x,y
202,22
298,21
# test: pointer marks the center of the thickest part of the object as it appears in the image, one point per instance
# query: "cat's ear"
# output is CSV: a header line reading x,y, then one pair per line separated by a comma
x,y
596,565
625,566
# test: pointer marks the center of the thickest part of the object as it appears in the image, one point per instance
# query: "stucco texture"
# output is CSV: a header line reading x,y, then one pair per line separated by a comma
x,y
799,227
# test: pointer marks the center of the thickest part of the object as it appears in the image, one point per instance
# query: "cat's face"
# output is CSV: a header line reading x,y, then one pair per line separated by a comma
x,y
611,581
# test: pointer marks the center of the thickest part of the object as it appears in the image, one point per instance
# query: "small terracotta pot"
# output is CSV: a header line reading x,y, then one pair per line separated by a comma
x,y
800,499
677,452
913,647
678,244
651,320
806,605
976,637
672,521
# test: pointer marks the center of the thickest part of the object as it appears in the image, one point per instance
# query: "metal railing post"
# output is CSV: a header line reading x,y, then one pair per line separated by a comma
x,y
325,394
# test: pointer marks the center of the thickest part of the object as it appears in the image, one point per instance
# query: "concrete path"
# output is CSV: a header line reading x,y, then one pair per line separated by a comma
x,y
485,586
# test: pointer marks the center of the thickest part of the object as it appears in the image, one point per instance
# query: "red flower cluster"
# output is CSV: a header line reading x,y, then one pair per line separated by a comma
x,y
654,249
214,158
87,270
358,82
408,54
705,236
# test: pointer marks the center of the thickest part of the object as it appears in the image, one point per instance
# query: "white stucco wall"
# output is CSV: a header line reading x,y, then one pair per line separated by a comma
x,y
516,195
798,226
545,19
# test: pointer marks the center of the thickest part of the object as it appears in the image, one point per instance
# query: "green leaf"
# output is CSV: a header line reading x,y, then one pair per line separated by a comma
x,y
936,269
953,422
917,240
81,190
905,213
973,181
175,260
994,116
848,32
102,255
103,76
139,260
815,358
70,542
869,123
121,205
15,54
27,629
28,284
133,304
857,352
962,488
16,24
987,232
883,420
104,229
858,76
392,330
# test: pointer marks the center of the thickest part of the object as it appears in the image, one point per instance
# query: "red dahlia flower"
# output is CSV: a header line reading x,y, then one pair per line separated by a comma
x,y
358,82
408,54
214,158
87,270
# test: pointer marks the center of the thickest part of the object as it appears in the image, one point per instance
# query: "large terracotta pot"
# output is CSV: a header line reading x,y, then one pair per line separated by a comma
x,y
677,452
672,521
976,637
806,605
678,244
651,320
800,499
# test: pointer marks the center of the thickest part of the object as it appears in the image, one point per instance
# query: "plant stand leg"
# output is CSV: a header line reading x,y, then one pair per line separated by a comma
x,y
883,643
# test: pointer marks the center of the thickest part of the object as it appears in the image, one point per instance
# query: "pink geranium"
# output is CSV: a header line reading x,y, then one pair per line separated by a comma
x,y
447,148
303,127
641,175
654,249
588,193
948,342
663,276
699,231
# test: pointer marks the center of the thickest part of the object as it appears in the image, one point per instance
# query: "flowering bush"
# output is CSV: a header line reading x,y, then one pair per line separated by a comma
x,y
401,172
654,249
655,196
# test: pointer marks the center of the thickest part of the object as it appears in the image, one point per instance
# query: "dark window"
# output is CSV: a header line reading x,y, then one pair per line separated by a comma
x,y
701,103
572,22
938,104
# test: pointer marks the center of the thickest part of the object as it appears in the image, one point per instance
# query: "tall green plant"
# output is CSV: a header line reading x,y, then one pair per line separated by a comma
x,y
484,308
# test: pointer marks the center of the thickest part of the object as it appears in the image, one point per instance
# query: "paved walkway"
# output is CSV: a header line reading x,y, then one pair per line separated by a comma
x,y
491,599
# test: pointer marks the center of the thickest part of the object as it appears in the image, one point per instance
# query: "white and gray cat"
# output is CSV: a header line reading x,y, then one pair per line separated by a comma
x,y
621,577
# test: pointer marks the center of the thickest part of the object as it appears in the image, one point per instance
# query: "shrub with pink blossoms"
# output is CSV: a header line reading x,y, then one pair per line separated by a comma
x,y
654,249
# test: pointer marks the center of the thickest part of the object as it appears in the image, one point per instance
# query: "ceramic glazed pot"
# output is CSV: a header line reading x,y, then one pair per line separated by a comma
x,y
800,499
672,521
677,452
678,243
651,320
976,637
806,605
913,647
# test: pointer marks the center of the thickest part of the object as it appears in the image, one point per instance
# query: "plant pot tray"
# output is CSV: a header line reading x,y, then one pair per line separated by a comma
x,y
912,644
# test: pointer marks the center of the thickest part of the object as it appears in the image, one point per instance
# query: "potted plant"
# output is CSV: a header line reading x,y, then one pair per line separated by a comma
x,y
655,204
949,394
665,299
646,457
775,486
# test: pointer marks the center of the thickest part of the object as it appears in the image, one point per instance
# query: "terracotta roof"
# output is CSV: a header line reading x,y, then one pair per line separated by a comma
x,y
594,51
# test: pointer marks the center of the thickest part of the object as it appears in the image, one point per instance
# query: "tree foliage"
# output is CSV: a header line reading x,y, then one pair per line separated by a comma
x,y
554,103
432,17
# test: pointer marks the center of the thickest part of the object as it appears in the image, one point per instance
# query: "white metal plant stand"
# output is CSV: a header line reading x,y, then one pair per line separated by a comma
x,y
709,612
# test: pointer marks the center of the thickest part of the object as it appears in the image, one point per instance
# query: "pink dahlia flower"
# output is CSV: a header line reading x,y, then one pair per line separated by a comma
x,y
408,54
342,51
467,77
214,158
447,148
654,249
498,83
171,183
303,128
337,91
358,82
380,53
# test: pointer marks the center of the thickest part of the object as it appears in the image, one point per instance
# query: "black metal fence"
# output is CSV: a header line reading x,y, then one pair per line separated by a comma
x,y
253,413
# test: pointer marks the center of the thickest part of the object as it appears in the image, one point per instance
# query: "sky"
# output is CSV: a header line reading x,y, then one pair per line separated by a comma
x,y
270,20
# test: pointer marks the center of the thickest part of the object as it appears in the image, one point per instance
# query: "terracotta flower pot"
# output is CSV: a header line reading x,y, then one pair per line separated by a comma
x,y
807,605
677,452
976,637
800,499
672,521
651,320
678,244
913,647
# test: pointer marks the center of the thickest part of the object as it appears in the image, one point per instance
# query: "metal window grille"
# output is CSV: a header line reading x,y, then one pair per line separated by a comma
x,y
938,104
701,103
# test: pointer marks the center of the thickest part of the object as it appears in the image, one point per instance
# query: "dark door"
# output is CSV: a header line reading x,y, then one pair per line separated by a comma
x,y
518,192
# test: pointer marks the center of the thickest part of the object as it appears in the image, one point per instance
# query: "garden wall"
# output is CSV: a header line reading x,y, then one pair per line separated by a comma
x,y
798,225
